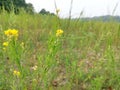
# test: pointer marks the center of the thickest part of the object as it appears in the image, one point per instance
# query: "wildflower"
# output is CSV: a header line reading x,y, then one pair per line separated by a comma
x,y
34,67
57,11
11,33
59,32
5,44
16,73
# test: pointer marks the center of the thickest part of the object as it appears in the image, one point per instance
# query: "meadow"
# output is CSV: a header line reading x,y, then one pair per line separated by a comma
x,y
43,52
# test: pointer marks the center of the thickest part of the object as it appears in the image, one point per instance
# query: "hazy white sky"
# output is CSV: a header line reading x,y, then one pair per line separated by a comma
x,y
90,8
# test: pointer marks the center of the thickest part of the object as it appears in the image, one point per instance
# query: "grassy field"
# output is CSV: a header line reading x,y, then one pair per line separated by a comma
x,y
85,56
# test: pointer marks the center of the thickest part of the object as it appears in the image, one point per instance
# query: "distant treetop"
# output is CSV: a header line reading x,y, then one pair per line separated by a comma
x,y
44,12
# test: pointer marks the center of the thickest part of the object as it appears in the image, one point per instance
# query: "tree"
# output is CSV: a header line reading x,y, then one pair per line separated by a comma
x,y
44,12
29,8
15,5
6,4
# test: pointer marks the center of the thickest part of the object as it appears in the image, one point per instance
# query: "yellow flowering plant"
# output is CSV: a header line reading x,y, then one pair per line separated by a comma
x,y
54,45
16,73
13,47
5,44
11,33
59,32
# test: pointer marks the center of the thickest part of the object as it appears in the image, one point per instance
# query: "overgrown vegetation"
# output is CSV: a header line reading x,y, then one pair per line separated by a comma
x,y
44,53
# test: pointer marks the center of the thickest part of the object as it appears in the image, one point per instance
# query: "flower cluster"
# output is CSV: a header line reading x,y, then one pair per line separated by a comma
x,y
59,32
16,73
11,33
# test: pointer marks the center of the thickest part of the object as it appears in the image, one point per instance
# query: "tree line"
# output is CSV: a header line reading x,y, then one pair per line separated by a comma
x,y
17,5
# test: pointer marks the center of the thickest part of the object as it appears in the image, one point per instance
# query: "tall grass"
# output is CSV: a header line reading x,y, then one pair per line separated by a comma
x,y
85,57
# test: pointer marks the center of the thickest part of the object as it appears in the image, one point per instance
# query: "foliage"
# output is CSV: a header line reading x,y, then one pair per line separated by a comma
x,y
15,5
49,55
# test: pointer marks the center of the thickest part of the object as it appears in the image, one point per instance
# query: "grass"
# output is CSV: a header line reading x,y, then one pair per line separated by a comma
x,y
85,57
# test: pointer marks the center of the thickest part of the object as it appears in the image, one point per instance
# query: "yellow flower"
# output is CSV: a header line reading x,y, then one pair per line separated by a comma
x,y
59,32
11,33
5,44
16,73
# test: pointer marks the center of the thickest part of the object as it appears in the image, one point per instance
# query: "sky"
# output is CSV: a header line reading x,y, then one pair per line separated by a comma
x,y
90,8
